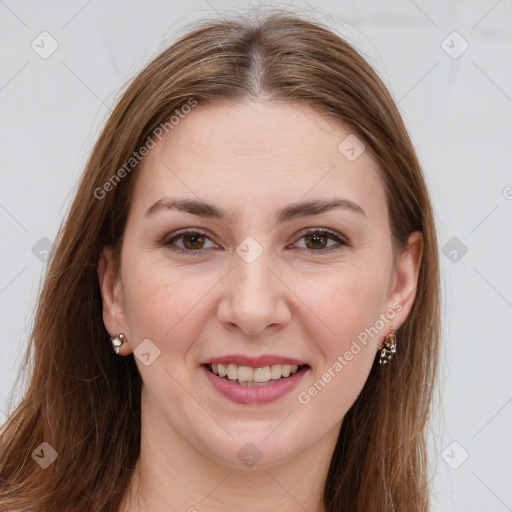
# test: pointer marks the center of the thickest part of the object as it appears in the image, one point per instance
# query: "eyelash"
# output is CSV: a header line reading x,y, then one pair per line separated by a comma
x,y
320,231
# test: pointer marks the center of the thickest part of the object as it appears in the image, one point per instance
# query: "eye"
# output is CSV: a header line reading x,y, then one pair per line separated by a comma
x,y
192,242
317,240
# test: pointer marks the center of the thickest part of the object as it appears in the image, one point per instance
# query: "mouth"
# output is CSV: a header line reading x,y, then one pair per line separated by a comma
x,y
249,376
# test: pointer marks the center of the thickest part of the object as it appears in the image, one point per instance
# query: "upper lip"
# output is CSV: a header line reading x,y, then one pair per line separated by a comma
x,y
255,362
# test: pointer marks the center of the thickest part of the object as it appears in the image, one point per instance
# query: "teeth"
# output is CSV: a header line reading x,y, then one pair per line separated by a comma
x,y
247,375
275,371
223,371
260,374
232,372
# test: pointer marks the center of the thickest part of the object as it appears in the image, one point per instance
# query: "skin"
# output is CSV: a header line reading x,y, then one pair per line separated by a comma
x,y
251,158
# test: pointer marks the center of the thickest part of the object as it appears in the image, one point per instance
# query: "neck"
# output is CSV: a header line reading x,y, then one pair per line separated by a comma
x,y
172,475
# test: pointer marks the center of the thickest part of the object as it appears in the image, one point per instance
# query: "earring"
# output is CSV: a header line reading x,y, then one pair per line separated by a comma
x,y
386,354
117,340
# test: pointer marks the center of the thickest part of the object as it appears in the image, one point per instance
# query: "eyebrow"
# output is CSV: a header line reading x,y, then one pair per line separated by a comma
x,y
290,212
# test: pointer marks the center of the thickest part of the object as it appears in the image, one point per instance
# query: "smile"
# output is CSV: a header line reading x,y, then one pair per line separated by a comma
x,y
249,376
253,385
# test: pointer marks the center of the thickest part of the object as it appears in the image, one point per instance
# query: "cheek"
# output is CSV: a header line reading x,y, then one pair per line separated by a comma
x,y
349,309
159,300
354,300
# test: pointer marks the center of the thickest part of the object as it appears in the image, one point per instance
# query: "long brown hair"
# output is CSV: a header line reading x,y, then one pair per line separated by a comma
x,y
85,402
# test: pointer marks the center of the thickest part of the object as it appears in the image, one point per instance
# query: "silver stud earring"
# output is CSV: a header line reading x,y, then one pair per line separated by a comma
x,y
117,340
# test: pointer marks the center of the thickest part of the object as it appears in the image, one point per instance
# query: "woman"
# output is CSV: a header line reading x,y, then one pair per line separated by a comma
x,y
242,310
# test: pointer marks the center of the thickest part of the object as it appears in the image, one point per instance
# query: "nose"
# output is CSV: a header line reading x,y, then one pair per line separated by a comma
x,y
254,299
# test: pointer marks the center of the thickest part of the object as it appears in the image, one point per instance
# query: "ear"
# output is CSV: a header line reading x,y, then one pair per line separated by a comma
x,y
111,288
405,281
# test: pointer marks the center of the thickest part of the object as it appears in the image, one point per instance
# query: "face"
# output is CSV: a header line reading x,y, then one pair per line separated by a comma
x,y
231,257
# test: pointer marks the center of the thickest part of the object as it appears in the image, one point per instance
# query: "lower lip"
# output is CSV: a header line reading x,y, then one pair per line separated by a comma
x,y
254,394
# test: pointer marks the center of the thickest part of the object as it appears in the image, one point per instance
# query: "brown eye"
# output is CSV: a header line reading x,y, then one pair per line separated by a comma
x,y
189,242
321,240
316,241
193,241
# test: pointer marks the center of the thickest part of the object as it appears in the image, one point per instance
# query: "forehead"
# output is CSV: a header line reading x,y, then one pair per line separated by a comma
x,y
257,154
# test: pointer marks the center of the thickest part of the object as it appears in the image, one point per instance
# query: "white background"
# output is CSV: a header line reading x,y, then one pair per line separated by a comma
x,y
458,111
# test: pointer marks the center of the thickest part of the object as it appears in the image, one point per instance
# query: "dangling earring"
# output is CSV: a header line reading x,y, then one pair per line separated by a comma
x,y
117,340
386,354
